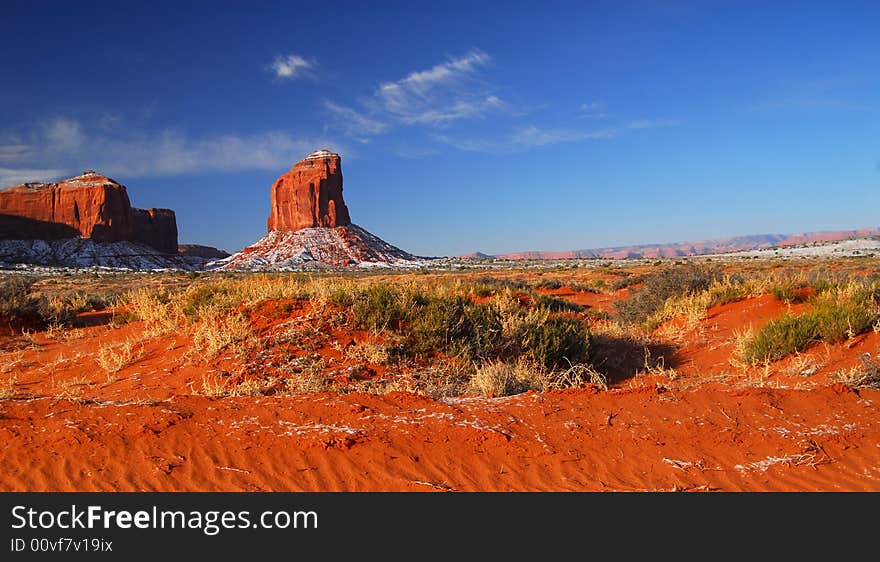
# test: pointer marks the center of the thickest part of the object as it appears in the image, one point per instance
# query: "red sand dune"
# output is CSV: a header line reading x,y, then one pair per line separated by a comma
x,y
710,427
711,439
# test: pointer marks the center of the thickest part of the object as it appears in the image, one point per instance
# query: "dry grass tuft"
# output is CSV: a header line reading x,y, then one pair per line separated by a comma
x,y
657,367
161,315
308,375
866,375
498,378
114,358
217,330
368,353
7,388
73,389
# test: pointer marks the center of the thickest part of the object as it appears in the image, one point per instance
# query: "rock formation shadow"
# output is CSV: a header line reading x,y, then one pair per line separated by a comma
x,y
13,227
621,358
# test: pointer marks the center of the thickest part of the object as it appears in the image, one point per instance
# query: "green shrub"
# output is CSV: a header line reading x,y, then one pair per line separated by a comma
x,y
555,341
377,308
340,296
785,292
549,284
20,304
831,320
822,285
627,279
482,290
586,287
197,298
554,304
16,302
455,326
840,321
781,337
732,289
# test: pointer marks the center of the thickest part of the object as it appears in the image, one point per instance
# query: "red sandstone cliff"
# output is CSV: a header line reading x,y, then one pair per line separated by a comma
x,y
156,228
310,195
90,205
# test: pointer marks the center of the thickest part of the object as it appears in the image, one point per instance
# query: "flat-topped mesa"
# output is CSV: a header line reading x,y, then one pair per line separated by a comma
x,y
310,195
90,205
156,228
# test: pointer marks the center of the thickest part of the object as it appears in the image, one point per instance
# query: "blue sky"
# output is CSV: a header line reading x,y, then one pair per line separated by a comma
x,y
463,126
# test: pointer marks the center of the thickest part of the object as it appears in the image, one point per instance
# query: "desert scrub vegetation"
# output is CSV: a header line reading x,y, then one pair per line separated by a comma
x,y
691,290
836,314
16,302
181,304
865,375
694,305
216,330
659,287
440,319
23,302
498,378
7,388
453,324
786,293
212,309
216,388
160,313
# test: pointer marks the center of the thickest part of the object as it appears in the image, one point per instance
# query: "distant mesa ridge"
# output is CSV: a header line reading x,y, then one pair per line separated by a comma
x,y
88,220
200,251
309,224
691,248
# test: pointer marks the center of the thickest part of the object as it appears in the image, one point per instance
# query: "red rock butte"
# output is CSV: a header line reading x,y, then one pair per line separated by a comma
x,y
309,195
90,205
309,224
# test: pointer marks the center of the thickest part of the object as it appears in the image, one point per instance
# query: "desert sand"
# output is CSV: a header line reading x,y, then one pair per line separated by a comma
x,y
677,415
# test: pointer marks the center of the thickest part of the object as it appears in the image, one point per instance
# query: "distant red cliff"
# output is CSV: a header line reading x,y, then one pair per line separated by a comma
x,y
90,205
689,248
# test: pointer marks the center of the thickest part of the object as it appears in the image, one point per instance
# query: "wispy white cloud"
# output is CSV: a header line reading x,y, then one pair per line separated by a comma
x,y
289,67
354,123
447,72
651,123
63,134
525,138
57,148
109,121
436,97
14,152
593,110
173,152
529,137
16,176
421,82
443,93
828,94
457,110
